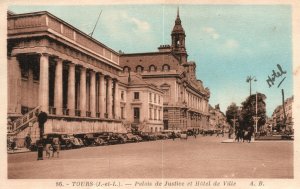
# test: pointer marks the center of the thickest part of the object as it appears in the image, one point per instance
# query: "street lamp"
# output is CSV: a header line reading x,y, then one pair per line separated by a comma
x,y
233,120
249,79
256,118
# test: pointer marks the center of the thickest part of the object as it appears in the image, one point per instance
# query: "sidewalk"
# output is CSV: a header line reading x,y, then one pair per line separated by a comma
x,y
233,141
18,150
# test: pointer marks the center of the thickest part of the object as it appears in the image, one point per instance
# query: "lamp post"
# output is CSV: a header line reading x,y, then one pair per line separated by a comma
x,y
256,118
249,80
233,120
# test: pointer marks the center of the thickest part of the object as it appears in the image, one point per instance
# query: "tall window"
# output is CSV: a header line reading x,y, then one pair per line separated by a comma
x,y
122,95
150,97
122,113
150,113
136,95
159,114
158,99
154,98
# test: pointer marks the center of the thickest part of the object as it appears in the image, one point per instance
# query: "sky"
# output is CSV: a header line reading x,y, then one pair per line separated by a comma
x,y
227,42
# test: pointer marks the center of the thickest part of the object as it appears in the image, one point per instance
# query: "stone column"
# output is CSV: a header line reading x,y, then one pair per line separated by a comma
x,y
71,90
117,100
93,94
102,95
109,97
83,91
58,90
44,83
14,89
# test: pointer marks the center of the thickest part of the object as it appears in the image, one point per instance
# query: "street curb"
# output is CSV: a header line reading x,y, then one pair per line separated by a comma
x,y
18,151
256,141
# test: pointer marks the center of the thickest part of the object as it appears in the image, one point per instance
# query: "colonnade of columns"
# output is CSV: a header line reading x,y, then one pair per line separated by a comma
x,y
97,96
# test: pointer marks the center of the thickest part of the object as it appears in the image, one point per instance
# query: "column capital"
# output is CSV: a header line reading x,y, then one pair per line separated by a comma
x,y
81,67
115,79
44,54
91,70
70,64
57,59
107,77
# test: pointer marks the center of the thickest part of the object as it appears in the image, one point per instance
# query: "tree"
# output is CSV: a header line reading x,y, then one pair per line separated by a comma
x,y
232,112
249,110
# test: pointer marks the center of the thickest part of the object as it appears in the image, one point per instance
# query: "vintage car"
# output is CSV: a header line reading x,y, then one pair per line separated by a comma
x,y
115,138
71,141
184,135
132,138
66,141
147,136
161,136
90,139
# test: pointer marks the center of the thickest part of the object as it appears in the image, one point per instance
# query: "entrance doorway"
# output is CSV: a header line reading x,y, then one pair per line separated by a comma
x,y
136,115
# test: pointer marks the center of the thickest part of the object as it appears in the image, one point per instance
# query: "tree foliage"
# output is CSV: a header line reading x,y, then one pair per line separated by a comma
x,y
249,110
231,113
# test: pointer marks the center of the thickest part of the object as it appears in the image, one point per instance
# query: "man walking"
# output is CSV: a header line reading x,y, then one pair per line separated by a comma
x,y
28,141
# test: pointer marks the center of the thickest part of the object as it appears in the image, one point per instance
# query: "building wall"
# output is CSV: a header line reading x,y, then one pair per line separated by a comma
x,y
31,44
145,122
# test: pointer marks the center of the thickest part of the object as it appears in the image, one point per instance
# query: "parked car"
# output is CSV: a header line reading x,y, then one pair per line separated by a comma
x,y
132,138
90,139
64,143
115,138
184,135
146,136
72,141
161,136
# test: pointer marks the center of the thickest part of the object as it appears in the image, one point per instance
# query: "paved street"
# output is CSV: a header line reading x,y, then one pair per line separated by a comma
x,y
204,157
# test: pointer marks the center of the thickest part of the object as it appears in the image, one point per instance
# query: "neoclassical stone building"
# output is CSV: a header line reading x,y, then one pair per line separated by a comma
x,y
185,104
55,68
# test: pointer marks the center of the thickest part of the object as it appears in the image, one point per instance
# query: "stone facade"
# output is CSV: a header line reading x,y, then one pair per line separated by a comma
x,y
84,86
278,114
185,104
217,119
62,71
55,68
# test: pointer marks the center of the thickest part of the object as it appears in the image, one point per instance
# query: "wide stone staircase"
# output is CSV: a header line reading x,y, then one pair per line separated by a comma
x,y
26,124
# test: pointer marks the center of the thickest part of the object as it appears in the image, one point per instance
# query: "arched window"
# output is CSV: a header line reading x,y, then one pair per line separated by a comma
x,y
165,68
126,69
139,69
152,68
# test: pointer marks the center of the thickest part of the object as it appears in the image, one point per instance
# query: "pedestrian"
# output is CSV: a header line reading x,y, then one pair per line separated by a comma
x,y
13,144
48,143
195,135
55,146
28,141
173,135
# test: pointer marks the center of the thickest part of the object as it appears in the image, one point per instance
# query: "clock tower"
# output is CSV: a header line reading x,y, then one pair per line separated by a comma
x,y
178,40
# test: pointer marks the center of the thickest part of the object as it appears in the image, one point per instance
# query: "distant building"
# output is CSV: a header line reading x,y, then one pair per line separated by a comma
x,y
185,99
278,114
217,119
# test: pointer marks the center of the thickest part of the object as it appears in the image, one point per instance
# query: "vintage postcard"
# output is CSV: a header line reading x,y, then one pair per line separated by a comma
x,y
160,94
